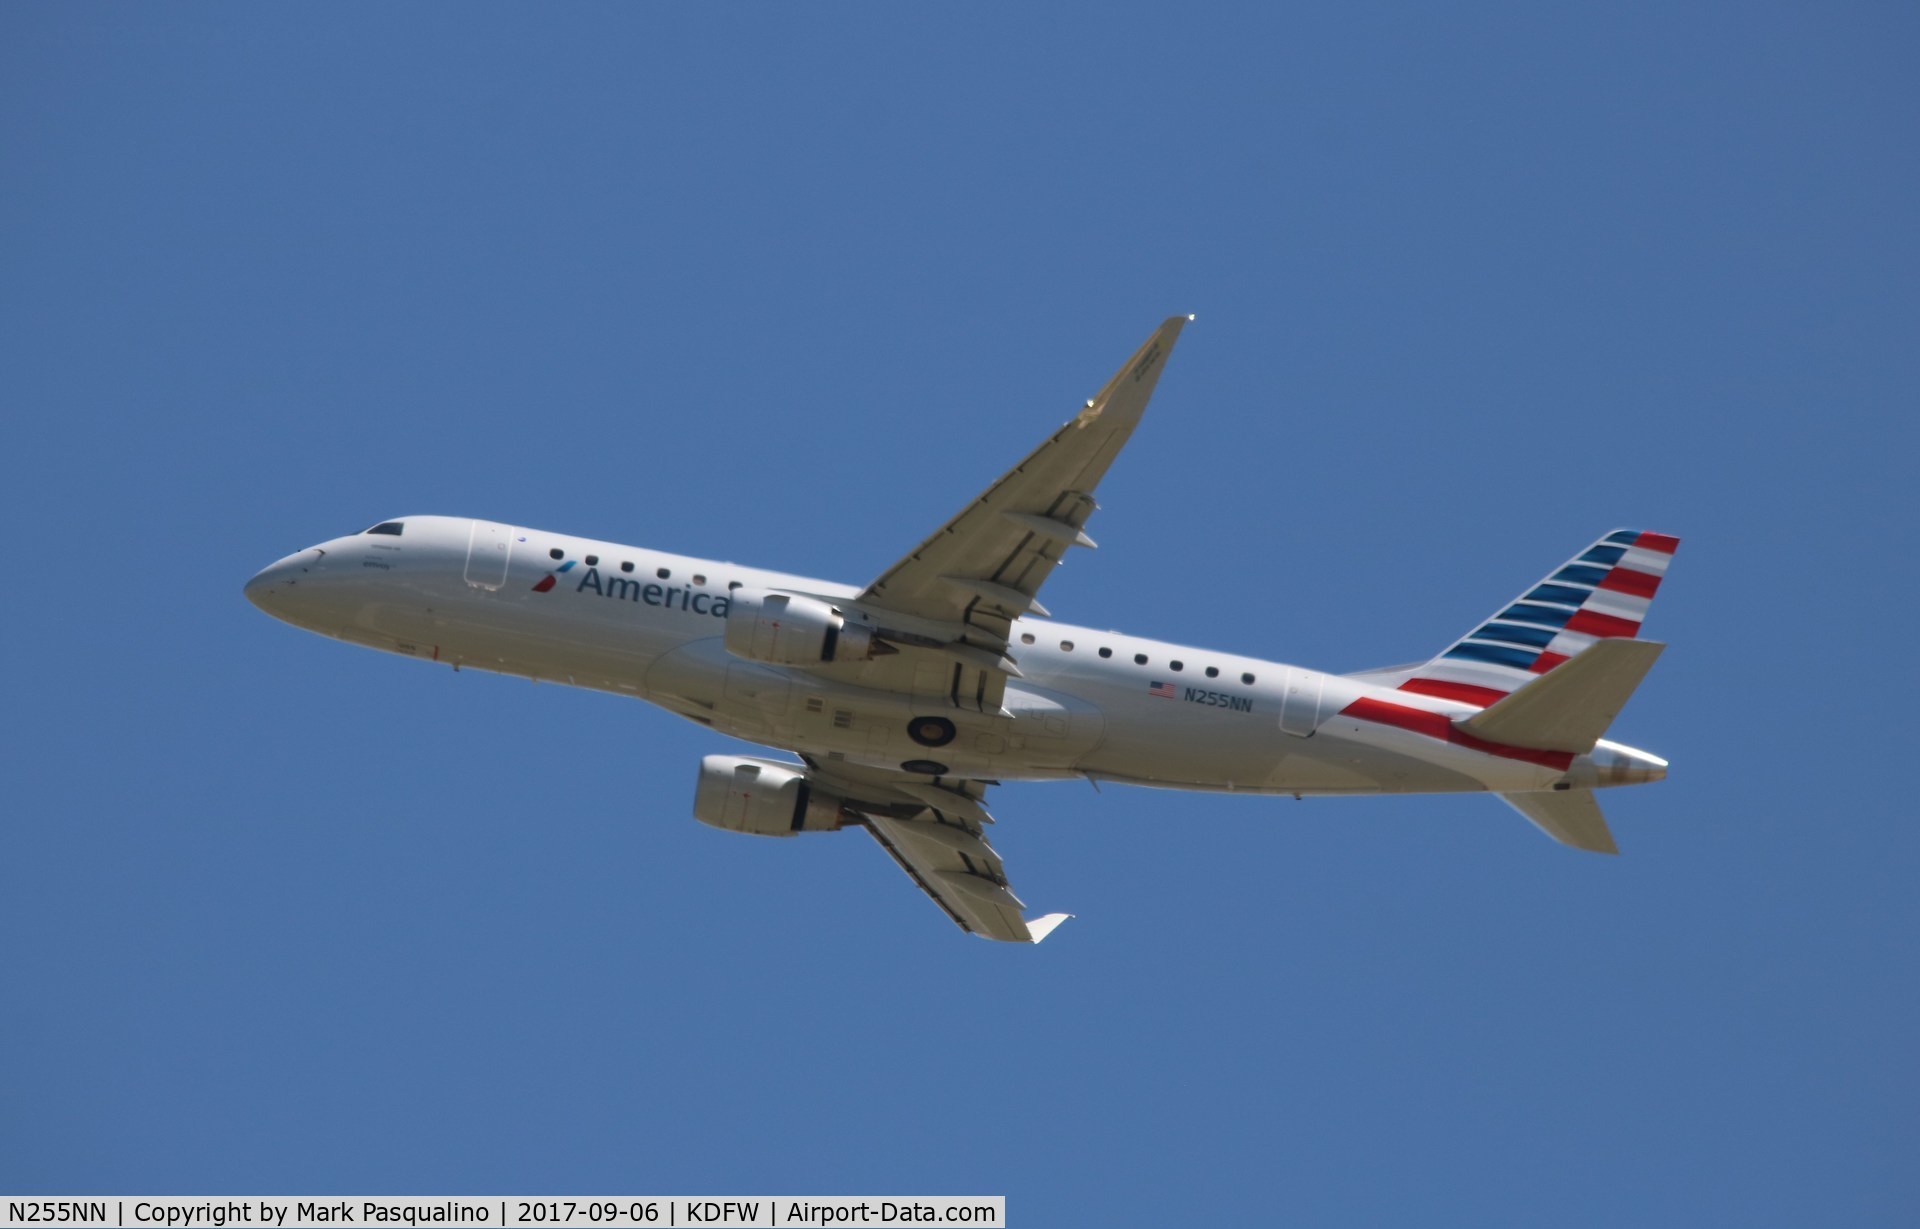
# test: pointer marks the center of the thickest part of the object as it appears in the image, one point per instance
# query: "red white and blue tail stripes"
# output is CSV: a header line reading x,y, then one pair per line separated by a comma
x,y
1601,593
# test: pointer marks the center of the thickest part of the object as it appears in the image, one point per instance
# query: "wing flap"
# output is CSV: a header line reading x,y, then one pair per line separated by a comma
x,y
1047,527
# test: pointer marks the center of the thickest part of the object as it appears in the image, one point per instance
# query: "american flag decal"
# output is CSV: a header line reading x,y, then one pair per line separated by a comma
x,y
1163,690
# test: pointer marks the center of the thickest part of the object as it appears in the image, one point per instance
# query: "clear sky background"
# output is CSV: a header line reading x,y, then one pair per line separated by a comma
x,y
789,284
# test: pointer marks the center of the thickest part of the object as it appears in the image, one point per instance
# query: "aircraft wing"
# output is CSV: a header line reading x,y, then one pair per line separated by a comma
x,y
935,832
984,567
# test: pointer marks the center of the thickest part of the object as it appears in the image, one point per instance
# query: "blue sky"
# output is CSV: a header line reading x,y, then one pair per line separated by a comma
x,y
787,285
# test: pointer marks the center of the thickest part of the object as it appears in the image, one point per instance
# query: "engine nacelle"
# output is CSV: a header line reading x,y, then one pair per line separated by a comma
x,y
761,797
783,629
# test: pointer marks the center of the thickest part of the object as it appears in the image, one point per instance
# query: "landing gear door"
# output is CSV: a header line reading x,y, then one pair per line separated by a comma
x,y
488,549
1300,707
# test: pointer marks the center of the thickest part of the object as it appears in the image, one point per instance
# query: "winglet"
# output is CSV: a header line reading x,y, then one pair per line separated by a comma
x,y
1044,925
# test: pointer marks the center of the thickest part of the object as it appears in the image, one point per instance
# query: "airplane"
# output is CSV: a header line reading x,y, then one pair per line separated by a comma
x,y
907,698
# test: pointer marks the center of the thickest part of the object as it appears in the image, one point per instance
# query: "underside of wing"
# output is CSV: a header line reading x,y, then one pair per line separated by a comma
x,y
935,831
984,567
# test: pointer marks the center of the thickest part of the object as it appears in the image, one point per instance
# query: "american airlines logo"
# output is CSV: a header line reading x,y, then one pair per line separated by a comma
x,y
546,582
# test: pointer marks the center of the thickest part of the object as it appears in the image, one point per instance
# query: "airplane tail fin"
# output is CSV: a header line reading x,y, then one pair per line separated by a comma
x,y
1600,594
1571,817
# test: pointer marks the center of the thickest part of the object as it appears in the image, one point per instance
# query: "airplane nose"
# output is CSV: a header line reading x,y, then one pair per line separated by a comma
x,y
259,587
272,587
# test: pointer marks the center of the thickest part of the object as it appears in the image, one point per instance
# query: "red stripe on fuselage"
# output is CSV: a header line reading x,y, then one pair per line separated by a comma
x,y
1438,725
1419,720
1466,693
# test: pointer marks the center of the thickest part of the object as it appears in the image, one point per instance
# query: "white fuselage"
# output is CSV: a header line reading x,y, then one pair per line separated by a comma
x,y
1087,703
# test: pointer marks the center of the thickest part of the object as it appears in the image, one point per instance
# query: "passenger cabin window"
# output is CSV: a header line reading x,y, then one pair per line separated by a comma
x,y
733,584
1139,659
1026,637
1066,646
662,573
627,566
392,527
699,579
1106,652
593,561
1247,679
1213,672
556,553
1176,665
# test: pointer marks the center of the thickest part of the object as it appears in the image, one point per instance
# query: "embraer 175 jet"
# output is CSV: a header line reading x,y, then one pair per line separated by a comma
x,y
907,697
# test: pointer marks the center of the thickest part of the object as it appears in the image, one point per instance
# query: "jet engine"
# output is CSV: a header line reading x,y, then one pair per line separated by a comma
x,y
761,797
783,629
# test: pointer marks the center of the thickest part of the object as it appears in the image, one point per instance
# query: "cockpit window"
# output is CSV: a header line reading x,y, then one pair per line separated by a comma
x,y
392,527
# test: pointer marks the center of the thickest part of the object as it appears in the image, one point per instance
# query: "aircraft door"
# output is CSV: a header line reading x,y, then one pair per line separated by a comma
x,y
489,547
1300,707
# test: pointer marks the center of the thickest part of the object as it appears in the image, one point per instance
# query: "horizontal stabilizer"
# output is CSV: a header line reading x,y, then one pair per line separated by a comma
x,y
1571,817
1569,708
